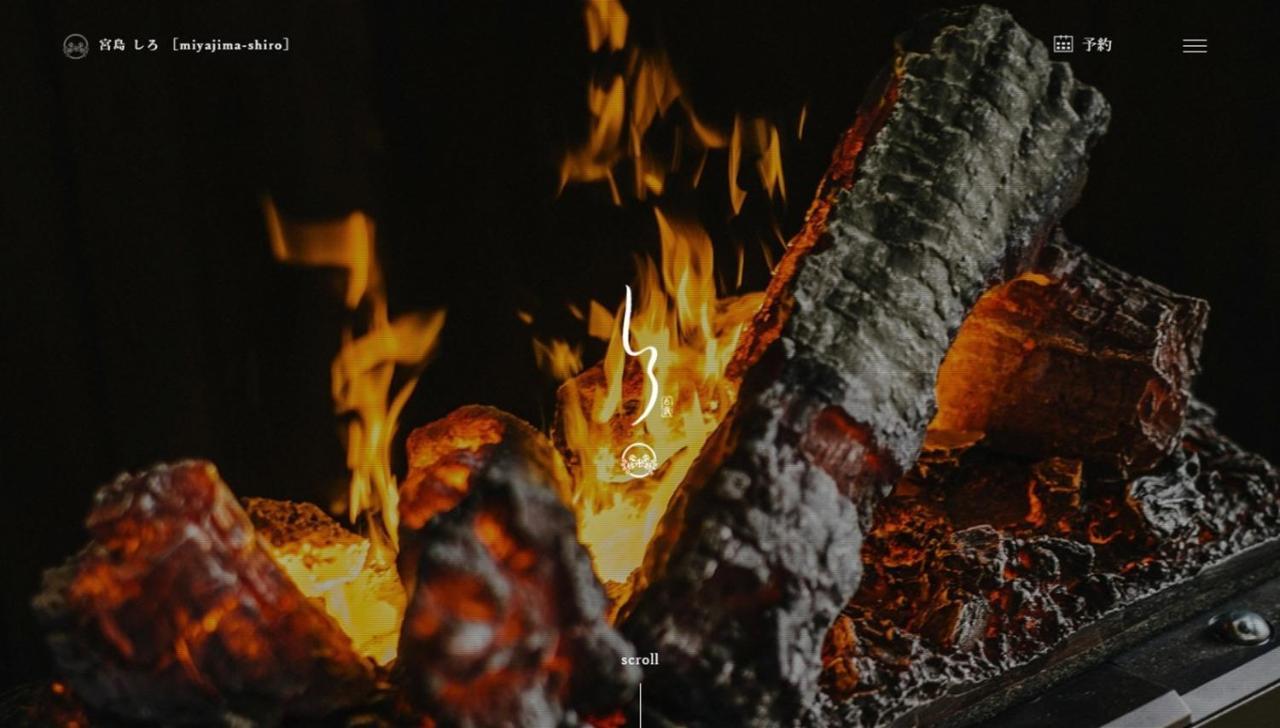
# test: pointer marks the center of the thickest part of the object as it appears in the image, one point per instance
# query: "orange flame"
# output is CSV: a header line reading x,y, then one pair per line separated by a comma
x,y
364,375
678,312
558,358
364,370
602,411
625,107
606,24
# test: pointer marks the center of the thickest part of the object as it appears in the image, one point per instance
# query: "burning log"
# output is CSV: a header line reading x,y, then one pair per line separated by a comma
x,y
950,179
175,613
1076,359
354,583
505,624
446,454
602,411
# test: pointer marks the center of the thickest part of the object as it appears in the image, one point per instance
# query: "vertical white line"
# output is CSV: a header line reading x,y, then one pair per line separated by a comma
x,y
641,705
650,350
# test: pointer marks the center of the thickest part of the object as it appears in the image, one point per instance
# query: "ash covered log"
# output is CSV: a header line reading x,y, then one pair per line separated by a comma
x,y
972,577
175,613
958,166
505,623
1077,359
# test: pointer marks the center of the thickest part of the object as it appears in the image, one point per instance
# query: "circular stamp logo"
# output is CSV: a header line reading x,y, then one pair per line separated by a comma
x,y
639,460
75,46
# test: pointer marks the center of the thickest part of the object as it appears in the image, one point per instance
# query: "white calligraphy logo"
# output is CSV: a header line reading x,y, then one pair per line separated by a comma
x,y
653,358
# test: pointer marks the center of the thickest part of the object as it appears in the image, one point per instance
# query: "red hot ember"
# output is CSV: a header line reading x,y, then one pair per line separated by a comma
x,y
175,612
506,620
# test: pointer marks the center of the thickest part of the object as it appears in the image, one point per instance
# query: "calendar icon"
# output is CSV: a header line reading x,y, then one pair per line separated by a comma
x,y
1064,43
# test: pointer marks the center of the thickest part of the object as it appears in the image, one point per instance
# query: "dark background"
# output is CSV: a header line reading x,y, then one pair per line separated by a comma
x,y
144,319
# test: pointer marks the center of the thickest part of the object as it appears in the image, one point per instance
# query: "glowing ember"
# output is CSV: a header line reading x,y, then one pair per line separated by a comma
x,y
505,623
175,613
442,457
676,311
333,565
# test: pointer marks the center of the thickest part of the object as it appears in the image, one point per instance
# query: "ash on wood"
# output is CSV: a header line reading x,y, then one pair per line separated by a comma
x,y
973,581
505,624
175,613
1071,498
1075,359
960,163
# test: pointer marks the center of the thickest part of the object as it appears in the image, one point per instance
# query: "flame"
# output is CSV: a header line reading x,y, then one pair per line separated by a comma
x,y
558,358
677,312
362,376
624,110
642,123
606,24
760,138
366,396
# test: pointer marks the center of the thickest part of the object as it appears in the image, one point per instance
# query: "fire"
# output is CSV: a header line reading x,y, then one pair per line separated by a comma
x,y
606,24
678,312
760,136
557,357
364,597
625,108
370,366
362,378
642,125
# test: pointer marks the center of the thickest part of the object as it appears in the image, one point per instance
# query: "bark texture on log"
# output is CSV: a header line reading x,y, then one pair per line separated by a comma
x,y
1074,359
505,624
951,178
175,613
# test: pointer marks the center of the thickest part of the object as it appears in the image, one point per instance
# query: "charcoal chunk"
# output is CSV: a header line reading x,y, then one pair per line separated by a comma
x,y
506,619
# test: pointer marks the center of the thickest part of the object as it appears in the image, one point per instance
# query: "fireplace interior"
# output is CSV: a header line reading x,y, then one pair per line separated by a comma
x,y
680,362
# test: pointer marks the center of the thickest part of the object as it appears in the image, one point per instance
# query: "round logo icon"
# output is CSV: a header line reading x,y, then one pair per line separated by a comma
x,y
75,46
639,460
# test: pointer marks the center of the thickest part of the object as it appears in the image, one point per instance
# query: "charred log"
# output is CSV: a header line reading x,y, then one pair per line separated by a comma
x,y
444,457
1074,358
175,613
958,604
505,623
959,164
